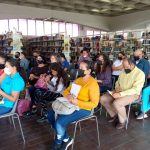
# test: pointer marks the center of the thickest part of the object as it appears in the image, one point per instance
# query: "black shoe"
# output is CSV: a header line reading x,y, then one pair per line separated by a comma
x,y
65,145
56,146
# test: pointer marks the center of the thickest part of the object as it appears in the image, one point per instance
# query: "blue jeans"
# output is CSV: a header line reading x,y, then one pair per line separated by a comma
x,y
61,123
104,88
4,110
146,99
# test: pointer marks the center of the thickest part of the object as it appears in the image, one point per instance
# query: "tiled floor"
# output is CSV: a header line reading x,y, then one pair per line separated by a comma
x,y
40,136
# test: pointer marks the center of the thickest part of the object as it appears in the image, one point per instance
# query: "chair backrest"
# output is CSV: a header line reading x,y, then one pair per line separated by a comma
x,y
15,106
113,83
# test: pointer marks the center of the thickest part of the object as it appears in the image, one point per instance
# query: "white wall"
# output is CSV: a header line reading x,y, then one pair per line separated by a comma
x,y
13,11
130,21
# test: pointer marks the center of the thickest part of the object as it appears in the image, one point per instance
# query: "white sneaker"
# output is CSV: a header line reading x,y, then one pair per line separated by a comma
x,y
141,116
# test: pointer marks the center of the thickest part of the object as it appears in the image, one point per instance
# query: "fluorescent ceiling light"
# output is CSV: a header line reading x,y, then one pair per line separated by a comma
x,y
95,10
128,8
107,1
104,9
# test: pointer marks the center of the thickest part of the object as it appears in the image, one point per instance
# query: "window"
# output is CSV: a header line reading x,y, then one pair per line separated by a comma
x,y
96,33
69,29
54,27
31,27
47,27
89,33
62,27
3,26
103,32
75,30
39,28
13,23
23,26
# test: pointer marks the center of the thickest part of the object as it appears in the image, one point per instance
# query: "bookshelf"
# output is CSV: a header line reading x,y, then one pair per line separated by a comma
x,y
146,42
47,44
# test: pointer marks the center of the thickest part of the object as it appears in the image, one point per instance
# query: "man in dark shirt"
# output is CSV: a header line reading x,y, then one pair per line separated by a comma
x,y
141,63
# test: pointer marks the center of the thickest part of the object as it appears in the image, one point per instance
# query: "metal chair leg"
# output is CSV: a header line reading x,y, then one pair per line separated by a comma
x,y
127,121
12,118
80,126
98,137
75,130
143,111
20,128
101,108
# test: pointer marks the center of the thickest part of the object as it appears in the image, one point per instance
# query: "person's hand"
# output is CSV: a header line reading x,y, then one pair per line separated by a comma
x,y
99,81
116,95
47,78
74,101
69,97
31,77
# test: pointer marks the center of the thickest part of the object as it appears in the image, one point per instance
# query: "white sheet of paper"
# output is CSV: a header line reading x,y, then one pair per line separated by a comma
x,y
75,89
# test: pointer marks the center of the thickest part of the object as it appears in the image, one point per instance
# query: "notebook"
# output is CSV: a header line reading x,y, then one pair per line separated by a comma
x,y
75,89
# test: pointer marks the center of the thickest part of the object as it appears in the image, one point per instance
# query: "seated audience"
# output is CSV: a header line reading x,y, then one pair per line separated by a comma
x,y
35,74
145,55
54,58
37,71
127,90
84,56
33,61
117,65
141,63
3,59
87,100
64,62
103,73
24,62
11,85
146,103
56,84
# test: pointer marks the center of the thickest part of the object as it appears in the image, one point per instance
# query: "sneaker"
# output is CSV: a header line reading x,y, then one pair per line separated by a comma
x,y
141,116
65,145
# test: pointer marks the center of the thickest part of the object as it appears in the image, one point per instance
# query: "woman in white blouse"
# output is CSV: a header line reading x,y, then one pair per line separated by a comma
x,y
56,82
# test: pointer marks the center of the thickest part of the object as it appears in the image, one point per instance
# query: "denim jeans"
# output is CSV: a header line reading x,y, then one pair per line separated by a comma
x,y
4,110
61,123
146,99
104,89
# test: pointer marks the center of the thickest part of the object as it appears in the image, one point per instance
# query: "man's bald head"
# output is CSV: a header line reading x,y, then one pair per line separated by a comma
x,y
138,53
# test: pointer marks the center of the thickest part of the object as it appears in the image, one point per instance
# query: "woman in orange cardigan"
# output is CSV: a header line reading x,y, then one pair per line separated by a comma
x,y
87,99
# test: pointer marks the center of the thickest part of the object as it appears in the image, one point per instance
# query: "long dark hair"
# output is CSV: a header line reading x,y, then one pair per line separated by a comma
x,y
61,74
15,63
107,64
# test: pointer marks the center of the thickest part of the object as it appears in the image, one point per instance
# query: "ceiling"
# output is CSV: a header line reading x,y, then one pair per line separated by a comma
x,y
94,7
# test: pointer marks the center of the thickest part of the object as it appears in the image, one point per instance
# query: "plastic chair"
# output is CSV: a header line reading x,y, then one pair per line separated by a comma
x,y
13,115
91,116
138,101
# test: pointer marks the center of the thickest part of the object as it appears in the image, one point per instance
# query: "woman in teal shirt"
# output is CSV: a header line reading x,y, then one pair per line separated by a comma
x,y
11,84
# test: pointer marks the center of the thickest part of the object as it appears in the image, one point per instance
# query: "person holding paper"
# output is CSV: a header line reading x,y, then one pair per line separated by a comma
x,y
86,97
127,90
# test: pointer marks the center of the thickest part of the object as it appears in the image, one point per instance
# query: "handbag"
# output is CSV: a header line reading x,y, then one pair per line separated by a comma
x,y
41,84
62,106
24,104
